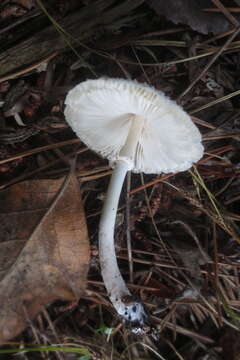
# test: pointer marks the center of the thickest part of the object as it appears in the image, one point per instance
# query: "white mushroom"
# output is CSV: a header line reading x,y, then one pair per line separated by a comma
x,y
137,128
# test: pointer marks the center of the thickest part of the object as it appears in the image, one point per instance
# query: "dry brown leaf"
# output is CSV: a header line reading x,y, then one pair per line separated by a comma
x,y
44,249
190,12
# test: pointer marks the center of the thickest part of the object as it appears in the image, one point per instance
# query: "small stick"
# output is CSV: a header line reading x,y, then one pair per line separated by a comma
x,y
226,12
217,101
39,149
36,171
203,123
21,20
28,68
218,137
220,36
230,9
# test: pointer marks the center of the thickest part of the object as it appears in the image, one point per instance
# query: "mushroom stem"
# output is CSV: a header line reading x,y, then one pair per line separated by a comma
x,y
113,280
119,294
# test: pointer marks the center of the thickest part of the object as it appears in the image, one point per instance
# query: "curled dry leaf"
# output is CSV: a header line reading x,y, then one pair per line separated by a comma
x,y
191,13
44,249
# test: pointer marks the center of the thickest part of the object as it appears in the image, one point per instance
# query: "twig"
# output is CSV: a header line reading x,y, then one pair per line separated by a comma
x,y
226,12
229,9
96,176
220,36
217,101
40,169
203,123
40,149
28,68
223,136
21,20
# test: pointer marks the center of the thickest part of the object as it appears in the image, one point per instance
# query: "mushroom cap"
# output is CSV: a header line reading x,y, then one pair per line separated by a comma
x,y
100,112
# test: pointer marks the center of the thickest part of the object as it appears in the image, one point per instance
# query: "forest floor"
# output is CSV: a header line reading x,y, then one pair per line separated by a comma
x,y
177,235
